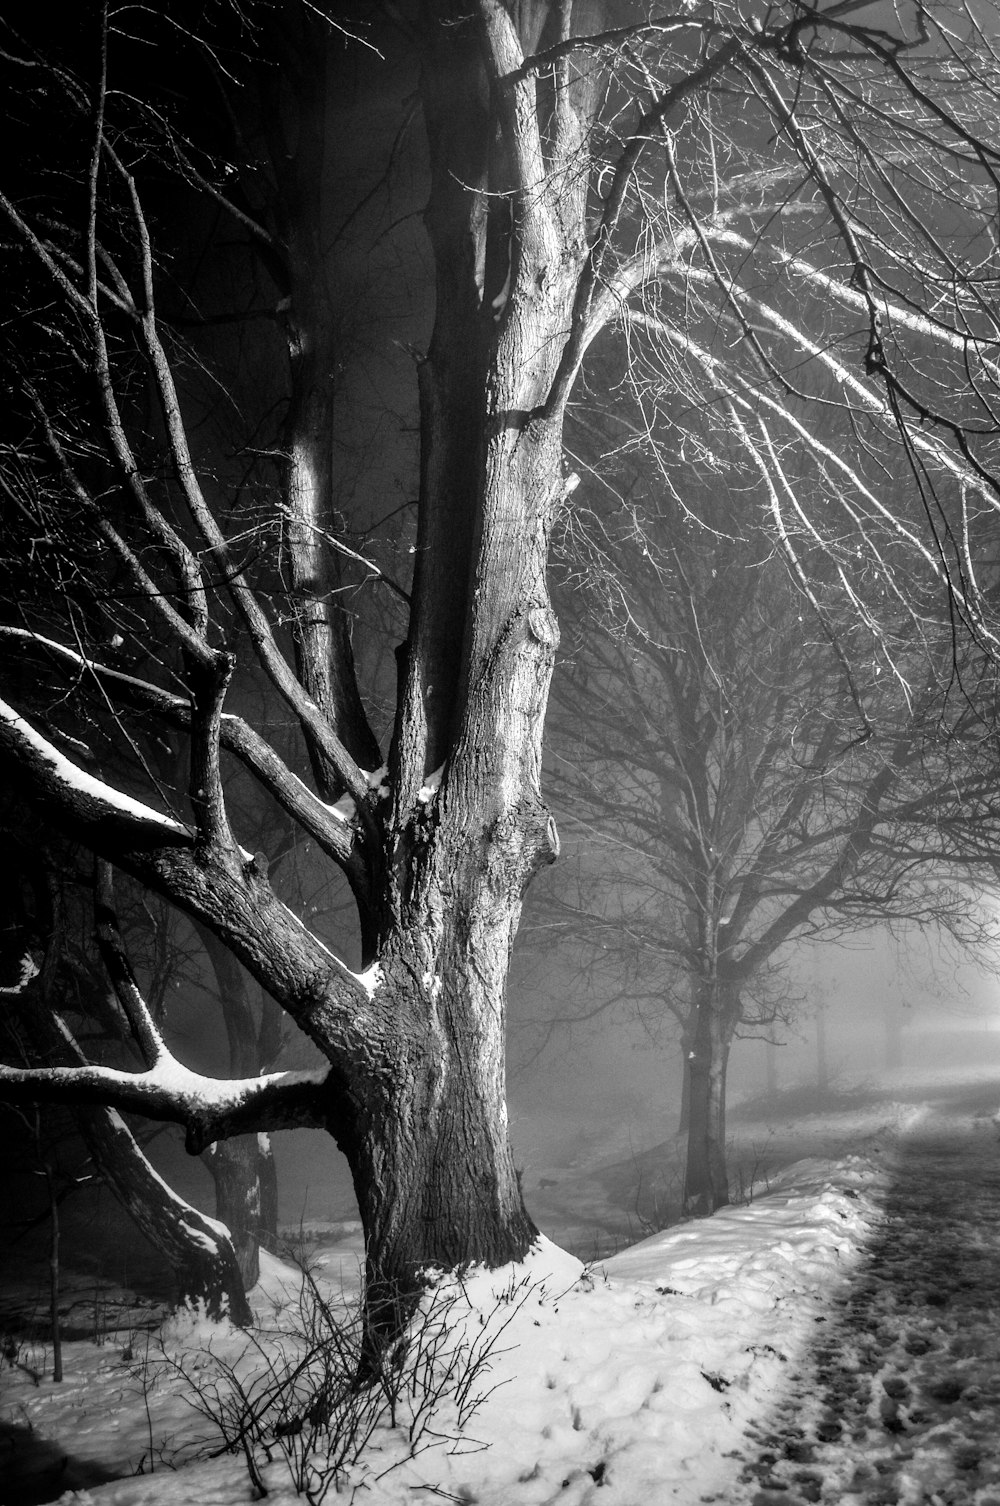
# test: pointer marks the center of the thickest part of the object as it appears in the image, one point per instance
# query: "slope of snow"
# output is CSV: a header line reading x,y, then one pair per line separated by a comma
x,y
628,1383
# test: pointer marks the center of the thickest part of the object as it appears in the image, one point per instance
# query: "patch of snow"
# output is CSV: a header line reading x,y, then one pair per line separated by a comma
x,y
429,789
345,809
378,780
630,1382
72,777
637,1377
29,970
198,1236
371,979
197,1090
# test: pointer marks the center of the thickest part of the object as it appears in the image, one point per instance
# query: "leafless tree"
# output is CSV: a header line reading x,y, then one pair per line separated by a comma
x,y
686,180
706,747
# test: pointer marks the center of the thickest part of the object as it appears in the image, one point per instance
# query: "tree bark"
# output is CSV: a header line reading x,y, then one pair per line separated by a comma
x,y
706,1180
428,1141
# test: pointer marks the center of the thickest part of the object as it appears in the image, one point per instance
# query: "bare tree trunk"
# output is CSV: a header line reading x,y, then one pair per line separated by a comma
x,y
706,1181
428,1147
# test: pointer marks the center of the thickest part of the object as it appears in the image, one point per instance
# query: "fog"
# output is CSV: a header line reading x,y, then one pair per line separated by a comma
x,y
608,1090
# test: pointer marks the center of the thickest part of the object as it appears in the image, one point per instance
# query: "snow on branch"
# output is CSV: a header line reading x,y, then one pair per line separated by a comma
x,y
80,794
28,970
209,1108
328,827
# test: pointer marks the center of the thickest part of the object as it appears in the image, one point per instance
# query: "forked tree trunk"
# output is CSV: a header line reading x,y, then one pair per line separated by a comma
x,y
706,1180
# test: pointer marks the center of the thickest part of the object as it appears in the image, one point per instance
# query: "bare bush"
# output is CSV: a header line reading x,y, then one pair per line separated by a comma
x,y
314,1397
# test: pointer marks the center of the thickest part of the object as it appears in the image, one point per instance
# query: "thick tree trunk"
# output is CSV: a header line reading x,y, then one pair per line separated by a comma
x,y
425,1127
198,1249
706,1181
434,1171
428,1144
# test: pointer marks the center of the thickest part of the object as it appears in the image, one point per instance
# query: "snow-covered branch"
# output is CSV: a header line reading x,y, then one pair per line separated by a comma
x,y
329,828
81,799
209,1108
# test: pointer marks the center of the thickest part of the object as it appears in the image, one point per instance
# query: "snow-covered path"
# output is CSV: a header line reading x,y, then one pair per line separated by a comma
x,y
898,1399
835,1340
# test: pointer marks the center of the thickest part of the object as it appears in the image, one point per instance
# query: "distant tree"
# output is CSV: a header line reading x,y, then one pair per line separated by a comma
x,y
762,203
705,743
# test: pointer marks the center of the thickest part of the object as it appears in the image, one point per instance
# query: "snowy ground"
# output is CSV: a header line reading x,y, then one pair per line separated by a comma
x,y
683,1369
